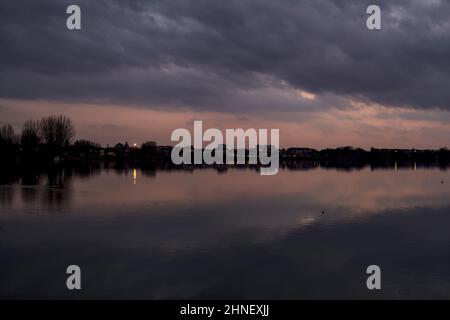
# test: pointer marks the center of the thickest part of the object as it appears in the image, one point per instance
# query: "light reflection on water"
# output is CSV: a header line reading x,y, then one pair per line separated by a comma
x,y
144,233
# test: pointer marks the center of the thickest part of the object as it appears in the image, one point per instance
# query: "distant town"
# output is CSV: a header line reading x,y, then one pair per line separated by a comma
x,y
51,140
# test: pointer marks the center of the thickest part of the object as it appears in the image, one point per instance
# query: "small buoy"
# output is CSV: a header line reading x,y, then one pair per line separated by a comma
x,y
323,212
442,181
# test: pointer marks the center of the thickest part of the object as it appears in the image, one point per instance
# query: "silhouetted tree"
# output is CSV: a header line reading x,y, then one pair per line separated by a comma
x,y
86,144
56,131
7,135
85,148
8,143
148,145
29,137
148,148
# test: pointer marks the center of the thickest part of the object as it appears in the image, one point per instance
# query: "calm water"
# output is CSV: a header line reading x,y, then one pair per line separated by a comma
x,y
202,234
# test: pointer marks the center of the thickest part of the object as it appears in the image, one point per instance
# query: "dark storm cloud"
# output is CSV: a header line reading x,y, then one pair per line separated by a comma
x,y
227,55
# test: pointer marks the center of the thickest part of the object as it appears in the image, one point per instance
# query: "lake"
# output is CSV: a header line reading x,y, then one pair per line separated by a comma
x,y
158,233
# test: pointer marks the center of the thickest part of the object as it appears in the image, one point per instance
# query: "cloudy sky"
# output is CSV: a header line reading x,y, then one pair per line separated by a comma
x,y
139,69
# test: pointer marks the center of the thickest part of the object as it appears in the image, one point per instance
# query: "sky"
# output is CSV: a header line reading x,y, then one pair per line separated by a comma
x,y
139,69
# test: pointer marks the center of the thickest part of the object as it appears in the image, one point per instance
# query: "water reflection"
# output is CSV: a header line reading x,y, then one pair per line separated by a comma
x,y
29,196
157,231
6,196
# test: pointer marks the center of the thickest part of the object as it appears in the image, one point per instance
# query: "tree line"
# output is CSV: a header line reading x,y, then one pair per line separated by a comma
x,y
49,136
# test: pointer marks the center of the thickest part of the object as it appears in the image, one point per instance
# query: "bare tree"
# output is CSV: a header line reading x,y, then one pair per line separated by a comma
x,y
29,137
7,135
56,131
